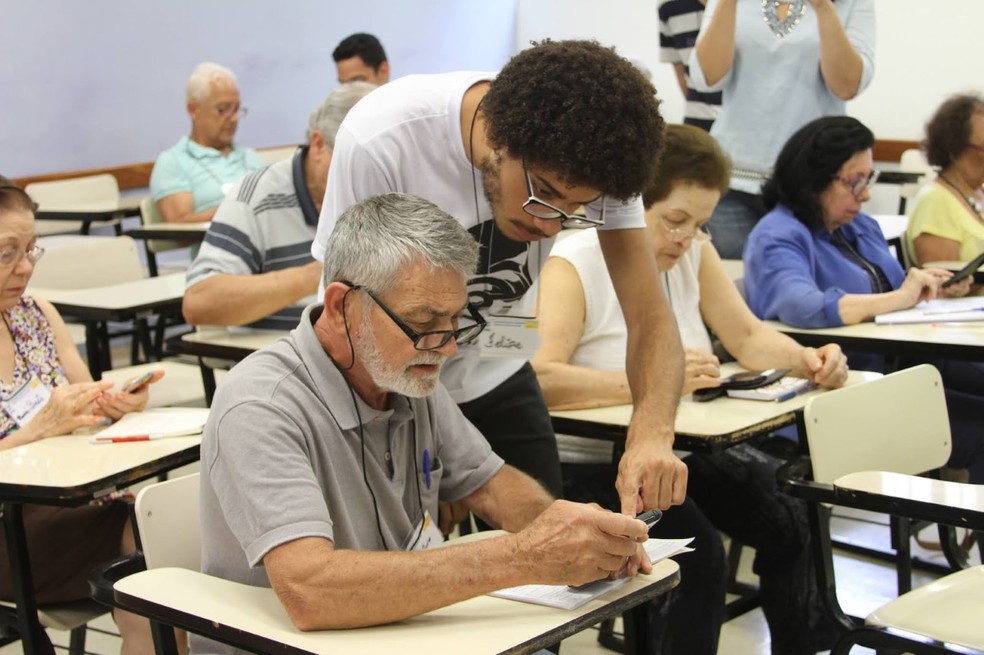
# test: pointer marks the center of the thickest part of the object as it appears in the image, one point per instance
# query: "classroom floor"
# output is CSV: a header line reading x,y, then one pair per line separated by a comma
x,y
863,583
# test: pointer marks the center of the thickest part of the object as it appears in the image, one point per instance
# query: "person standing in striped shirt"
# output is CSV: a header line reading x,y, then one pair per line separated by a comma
x,y
679,22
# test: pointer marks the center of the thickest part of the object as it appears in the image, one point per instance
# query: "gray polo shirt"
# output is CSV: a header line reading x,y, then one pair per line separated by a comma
x,y
282,459
266,223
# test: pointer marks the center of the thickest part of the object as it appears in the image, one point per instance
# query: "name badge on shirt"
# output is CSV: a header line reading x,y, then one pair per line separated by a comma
x,y
430,534
25,403
509,336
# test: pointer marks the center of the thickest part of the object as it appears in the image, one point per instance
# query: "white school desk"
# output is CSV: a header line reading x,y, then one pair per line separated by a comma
x,y
87,213
253,619
192,232
960,340
128,301
69,471
699,427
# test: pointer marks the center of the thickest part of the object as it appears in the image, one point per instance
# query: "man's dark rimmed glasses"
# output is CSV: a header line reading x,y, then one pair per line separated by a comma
x,y
436,338
544,210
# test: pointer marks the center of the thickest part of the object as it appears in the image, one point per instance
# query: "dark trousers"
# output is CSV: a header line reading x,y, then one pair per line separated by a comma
x,y
687,621
737,491
514,419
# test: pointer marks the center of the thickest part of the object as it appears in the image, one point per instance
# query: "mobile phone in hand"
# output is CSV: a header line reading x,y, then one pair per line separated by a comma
x,y
136,383
650,517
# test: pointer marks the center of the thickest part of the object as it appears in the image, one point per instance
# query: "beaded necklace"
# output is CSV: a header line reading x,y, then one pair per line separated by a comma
x,y
974,203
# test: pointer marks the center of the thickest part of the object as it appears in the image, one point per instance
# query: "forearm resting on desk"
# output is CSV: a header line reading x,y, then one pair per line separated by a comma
x,y
566,386
225,299
179,208
323,588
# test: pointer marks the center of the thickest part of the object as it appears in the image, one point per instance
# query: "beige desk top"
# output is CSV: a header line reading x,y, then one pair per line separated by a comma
x,y
138,293
959,340
477,626
723,420
70,470
224,343
969,497
71,461
128,205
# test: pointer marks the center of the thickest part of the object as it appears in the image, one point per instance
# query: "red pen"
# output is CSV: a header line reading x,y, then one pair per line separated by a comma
x,y
128,438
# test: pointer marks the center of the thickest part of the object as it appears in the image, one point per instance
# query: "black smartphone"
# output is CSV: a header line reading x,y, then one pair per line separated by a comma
x,y
753,379
966,271
650,517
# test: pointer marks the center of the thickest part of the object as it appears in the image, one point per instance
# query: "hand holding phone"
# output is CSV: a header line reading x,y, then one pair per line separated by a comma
x,y
136,383
968,270
650,517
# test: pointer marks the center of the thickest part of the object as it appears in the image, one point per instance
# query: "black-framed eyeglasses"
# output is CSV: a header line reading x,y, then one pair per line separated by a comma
x,y
858,184
436,338
542,209
11,255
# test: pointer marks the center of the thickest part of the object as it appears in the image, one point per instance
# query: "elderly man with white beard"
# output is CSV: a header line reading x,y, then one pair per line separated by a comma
x,y
326,454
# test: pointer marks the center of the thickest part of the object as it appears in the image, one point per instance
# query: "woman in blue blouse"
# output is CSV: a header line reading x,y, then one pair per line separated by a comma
x,y
816,260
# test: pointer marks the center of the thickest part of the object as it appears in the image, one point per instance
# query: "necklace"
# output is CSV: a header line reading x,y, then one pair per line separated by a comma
x,y
779,26
974,203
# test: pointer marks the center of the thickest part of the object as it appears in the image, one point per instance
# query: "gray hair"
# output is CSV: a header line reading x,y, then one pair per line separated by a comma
x,y
200,83
375,240
327,118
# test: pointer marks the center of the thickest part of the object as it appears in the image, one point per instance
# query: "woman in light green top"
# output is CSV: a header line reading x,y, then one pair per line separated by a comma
x,y
947,219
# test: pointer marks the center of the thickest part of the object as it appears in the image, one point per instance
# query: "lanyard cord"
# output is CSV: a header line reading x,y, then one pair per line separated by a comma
x,y
362,442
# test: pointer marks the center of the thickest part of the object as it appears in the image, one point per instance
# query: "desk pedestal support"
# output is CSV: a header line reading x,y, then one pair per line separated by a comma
x,y
33,636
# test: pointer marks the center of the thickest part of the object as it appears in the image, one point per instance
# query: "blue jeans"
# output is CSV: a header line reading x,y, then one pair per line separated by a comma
x,y
732,220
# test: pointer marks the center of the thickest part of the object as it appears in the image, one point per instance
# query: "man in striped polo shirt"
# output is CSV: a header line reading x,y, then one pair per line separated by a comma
x,y
679,22
255,266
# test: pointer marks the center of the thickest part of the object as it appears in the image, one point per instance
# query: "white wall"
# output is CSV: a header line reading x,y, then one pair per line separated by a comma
x,y
101,82
926,50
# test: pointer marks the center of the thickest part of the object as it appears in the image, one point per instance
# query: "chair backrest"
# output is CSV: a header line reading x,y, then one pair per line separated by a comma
x,y
167,522
913,161
89,262
150,215
91,191
897,423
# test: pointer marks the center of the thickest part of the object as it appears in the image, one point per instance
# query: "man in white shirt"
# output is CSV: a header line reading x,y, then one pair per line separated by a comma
x,y
565,125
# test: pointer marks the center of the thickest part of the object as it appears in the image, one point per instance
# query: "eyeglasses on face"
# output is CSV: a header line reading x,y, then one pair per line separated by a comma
x,y
226,111
858,184
545,211
677,233
436,338
974,146
11,255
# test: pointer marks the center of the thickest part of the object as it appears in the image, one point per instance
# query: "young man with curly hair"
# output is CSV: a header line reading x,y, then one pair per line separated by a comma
x,y
513,156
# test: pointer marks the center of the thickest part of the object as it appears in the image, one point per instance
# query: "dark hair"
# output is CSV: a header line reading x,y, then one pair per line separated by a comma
x,y
581,111
14,198
948,131
364,46
809,161
690,155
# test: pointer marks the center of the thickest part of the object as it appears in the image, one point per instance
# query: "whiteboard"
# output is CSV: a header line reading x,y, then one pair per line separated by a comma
x,y
102,82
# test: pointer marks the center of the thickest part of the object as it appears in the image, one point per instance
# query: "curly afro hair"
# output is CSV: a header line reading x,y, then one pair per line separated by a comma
x,y
578,109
